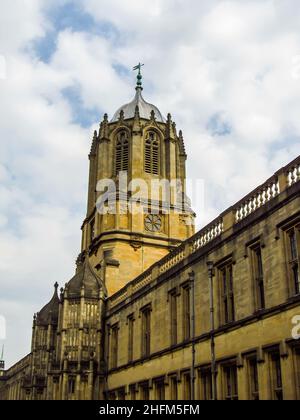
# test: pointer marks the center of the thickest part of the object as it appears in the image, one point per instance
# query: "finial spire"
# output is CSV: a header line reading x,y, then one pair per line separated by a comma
x,y
2,363
139,84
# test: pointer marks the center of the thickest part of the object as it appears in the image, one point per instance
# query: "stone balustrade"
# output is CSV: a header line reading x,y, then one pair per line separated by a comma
x,y
257,199
206,235
172,259
293,173
285,178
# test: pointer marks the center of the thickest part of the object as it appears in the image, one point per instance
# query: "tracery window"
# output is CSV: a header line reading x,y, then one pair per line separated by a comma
x,y
152,151
122,151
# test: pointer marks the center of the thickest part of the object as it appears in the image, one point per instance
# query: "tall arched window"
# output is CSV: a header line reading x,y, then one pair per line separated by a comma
x,y
152,153
122,152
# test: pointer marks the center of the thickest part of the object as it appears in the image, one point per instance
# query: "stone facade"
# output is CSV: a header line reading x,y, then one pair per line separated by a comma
x,y
135,321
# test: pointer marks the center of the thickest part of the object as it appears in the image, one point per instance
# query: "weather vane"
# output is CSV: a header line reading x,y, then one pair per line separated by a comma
x,y
139,76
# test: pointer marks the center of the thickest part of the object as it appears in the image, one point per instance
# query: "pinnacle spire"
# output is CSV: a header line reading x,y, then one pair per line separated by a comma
x,y
2,363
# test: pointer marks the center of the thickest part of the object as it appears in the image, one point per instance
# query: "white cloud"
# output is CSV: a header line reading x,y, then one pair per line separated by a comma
x,y
228,58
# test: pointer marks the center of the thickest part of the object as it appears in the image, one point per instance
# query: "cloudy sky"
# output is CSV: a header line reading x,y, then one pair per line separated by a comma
x,y
228,72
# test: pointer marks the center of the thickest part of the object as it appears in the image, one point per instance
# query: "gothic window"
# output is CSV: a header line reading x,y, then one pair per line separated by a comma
x,y
160,394
146,331
121,394
253,379
145,391
71,385
174,388
293,248
114,346
130,337
297,369
187,386
133,392
152,150
122,152
206,383
258,276
174,316
231,383
276,376
186,303
227,293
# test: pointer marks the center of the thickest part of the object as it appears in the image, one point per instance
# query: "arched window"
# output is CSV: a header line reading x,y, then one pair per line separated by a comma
x,y
122,152
152,153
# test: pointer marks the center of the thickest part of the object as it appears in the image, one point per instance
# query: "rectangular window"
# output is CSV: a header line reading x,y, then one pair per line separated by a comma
x,y
206,384
276,377
227,294
293,250
174,319
253,380
231,383
258,273
121,394
186,313
133,392
112,396
71,385
174,388
160,390
114,346
146,332
187,391
92,230
130,338
145,392
297,371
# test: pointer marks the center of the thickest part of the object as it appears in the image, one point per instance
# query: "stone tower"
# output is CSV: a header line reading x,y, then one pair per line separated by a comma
x,y
138,146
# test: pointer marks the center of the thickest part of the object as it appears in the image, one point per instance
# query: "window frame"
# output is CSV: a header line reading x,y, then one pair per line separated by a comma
x,y
173,302
258,275
174,387
206,384
130,323
296,356
186,312
122,151
145,391
160,389
146,331
230,389
187,386
253,378
227,308
152,153
71,385
114,344
293,261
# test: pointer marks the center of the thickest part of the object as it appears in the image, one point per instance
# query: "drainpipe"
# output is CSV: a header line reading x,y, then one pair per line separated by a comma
x,y
210,266
193,376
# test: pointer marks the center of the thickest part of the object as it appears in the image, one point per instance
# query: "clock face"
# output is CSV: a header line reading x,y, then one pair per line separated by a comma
x,y
153,223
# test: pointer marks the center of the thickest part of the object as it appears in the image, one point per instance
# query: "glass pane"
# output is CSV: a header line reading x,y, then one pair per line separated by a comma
x,y
293,245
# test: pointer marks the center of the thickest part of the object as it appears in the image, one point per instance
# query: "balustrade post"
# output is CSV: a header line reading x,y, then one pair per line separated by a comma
x,y
155,272
229,219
